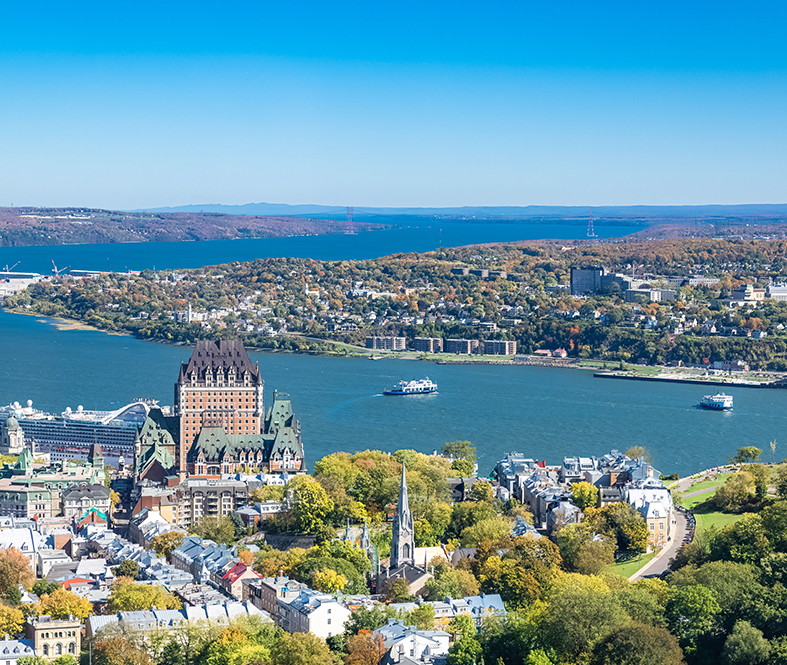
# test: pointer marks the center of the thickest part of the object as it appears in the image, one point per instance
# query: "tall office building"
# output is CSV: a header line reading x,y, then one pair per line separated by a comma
x,y
218,387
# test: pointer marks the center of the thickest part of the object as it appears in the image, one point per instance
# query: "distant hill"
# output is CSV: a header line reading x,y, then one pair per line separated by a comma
x,y
62,226
488,212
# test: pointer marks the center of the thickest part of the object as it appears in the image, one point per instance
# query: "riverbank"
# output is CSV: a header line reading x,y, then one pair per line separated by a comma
x,y
746,380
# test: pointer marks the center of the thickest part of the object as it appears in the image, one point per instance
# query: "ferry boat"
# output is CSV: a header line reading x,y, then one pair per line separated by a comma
x,y
717,402
417,387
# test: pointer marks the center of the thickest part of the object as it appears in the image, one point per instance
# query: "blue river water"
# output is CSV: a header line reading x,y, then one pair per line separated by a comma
x,y
415,235
544,413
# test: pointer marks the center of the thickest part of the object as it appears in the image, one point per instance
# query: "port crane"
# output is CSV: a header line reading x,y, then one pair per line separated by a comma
x,y
8,270
57,272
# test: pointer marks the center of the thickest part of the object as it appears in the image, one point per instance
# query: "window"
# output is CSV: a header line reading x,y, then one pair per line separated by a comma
x,y
329,622
652,526
661,526
46,649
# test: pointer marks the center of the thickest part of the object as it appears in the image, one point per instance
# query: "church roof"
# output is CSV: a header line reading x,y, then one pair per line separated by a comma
x,y
221,356
11,424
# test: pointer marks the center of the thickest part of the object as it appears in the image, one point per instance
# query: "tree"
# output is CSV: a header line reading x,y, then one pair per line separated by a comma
x,y
585,495
308,503
33,660
301,649
637,644
781,481
165,544
746,455
735,491
637,452
246,556
365,649
61,603
11,621
762,477
460,450
14,570
422,617
43,588
127,596
328,580
237,522
218,528
464,468
462,626
127,568
691,611
267,493
65,659
482,491
118,650
367,619
594,556
745,646
581,609
398,591
773,451
464,651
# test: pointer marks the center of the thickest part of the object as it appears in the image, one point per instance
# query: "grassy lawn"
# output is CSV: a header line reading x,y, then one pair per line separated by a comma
x,y
691,501
707,484
628,568
715,518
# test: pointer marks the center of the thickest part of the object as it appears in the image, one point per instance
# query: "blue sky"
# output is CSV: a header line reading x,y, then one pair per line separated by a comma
x,y
392,104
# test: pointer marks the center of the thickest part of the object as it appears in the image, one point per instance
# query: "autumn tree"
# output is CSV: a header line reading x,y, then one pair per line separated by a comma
x,y
118,650
365,648
127,596
746,455
328,580
11,621
482,491
308,504
166,543
637,644
218,528
14,570
585,495
61,603
398,591
301,649
637,452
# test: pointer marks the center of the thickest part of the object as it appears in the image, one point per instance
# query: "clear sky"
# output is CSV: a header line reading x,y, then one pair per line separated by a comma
x,y
144,104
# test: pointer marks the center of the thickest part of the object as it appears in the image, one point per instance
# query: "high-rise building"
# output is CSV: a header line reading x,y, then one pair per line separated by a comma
x,y
218,387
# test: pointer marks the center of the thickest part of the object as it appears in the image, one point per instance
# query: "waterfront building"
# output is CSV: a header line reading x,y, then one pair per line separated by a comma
x,y
219,386
391,343
461,346
428,344
277,448
71,434
500,347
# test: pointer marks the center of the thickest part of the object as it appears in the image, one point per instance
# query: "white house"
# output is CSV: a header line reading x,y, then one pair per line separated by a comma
x,y
403,642
313,612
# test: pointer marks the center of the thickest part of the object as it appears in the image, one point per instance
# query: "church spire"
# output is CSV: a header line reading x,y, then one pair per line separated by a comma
x,y
402,540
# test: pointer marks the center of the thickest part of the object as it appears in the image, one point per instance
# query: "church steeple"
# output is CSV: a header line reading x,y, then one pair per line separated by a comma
x,y
402,540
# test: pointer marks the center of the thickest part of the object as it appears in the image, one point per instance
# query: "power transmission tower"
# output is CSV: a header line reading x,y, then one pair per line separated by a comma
x,y
591,232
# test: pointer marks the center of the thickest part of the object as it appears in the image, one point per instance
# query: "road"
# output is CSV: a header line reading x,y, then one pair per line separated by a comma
x,y
660,563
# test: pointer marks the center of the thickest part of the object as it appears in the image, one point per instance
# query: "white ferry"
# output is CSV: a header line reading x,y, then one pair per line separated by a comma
x,y
419,387
717,402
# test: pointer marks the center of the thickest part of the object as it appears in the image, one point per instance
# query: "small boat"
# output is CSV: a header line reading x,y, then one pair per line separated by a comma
x,y
418,387
717,402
